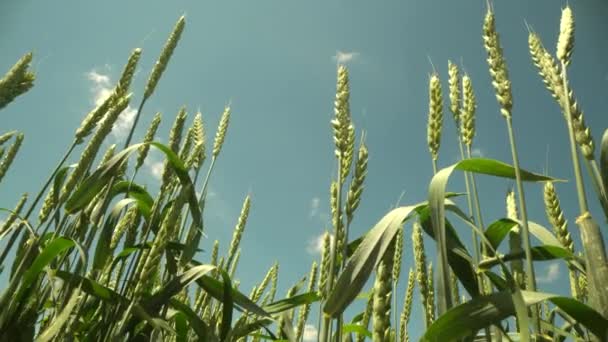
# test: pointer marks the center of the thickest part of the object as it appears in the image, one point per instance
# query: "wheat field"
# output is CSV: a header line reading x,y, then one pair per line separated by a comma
x,y
95,255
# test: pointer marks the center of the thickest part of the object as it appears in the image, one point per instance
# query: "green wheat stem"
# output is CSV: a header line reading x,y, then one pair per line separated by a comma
x,y
530,277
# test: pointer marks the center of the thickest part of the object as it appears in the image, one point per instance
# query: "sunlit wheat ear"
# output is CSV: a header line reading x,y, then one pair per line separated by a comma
x,y
396,272
552,77
107,155
325,265
347,158
353,198
454,85
342,125
581,130
142,151
123,225
220,135
547,68
382,296
47,205
10,219
184,151
91,119
430,305
198,152
17,80
164,58
127,74
367,314
235,262
256,294
469,105
215,252
6,136
454,287
8,159
175,135
336,214
515,242
152,261
555,215
305,310
90,151
238,230
406,312
497,64
565,42
583,288
435,119
274,279
421,272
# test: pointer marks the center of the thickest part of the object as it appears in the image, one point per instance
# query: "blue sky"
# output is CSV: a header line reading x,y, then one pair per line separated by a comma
x,y
275,62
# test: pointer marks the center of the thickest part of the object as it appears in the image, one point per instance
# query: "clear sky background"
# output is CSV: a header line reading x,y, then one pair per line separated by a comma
x,y
276,62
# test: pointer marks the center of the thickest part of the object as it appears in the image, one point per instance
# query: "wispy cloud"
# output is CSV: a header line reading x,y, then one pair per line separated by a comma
x,y
310,333
101,88
315,202
155,168
343,57
315,244
551,275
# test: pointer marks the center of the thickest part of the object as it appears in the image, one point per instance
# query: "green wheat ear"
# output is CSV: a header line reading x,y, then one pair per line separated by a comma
x,y
565,42
454,87
222,129
164,58
497,64
435,119
17,80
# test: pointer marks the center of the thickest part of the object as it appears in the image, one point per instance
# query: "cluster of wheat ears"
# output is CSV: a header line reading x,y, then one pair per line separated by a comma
x,y
104,260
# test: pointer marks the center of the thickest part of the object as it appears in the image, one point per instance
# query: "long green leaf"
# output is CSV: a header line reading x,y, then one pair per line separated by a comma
x,y
468,318
175,285
364,260
136,192
436,195
227,306
291,302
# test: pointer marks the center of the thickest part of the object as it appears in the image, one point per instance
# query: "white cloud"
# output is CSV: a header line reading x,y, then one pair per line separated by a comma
x,y
314,206
344,57
310,333
315,245
552,274
155,167
102,88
